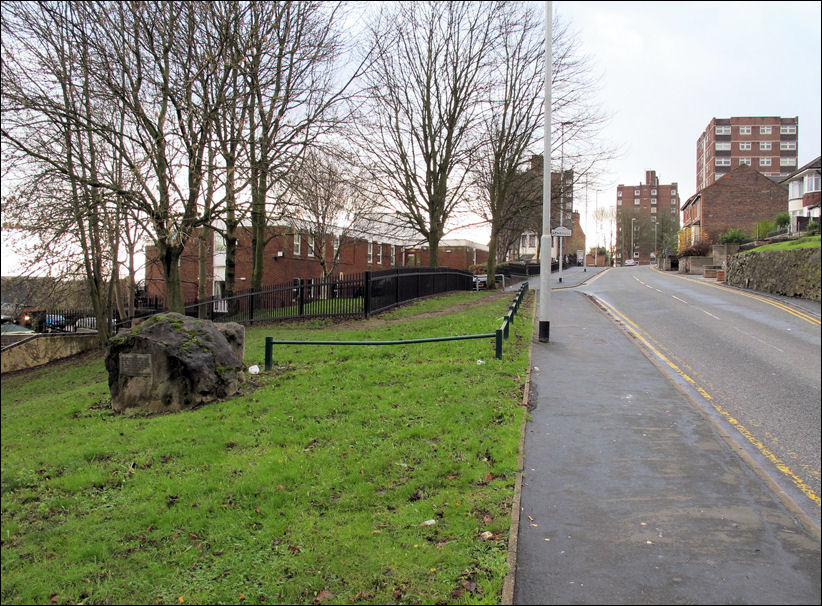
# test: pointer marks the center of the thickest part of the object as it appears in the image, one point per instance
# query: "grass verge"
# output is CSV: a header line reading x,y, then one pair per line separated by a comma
x,y
806,242
366,475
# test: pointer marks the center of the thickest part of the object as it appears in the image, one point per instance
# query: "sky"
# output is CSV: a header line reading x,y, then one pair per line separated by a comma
x,y
668,68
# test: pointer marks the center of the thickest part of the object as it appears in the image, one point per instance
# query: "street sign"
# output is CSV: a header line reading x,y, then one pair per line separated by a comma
x,y
561,232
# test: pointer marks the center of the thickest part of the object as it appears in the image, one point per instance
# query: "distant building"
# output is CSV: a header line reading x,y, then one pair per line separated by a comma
x,y
738,200
804,194
768,144
644,213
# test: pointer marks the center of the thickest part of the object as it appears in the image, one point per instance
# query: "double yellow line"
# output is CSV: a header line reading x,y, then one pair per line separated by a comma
x,y
640,335
779,305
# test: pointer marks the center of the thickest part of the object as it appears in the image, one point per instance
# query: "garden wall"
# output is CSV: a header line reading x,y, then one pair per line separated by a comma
x,y
44,349
790,273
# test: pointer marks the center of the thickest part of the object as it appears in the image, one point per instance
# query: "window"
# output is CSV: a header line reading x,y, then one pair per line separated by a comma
x,y
636,193
722,162
787,161
744,130
532,241
745,146
636,201
379,254
722,130
764,145
796,189
311,246
370,252
524,243
619,194
673,191
673,200
653,200
298,242
813,182
787,130
653,211
745,161
619,202
723,146
764,162
653,192
393,254
764,130
788,145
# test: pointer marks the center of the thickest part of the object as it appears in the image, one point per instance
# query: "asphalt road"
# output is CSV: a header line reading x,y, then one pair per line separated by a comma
x,y
750,360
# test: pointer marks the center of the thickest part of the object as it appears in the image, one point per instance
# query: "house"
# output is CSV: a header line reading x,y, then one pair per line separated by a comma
x,y
804,194
739,200
292,255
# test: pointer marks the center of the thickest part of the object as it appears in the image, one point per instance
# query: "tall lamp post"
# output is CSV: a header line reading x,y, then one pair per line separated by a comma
x,y
633,220
545,238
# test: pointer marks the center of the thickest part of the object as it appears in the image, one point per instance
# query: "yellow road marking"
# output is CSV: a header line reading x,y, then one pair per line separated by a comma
x,y
799,314
779,463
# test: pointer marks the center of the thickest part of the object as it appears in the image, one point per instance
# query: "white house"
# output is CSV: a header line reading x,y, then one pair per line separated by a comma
x,y
804,194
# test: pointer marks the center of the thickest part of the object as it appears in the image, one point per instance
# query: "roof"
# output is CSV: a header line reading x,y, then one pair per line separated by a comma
x,y
815,163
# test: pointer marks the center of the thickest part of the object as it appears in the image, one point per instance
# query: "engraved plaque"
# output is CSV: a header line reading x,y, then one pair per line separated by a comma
x,y
135,365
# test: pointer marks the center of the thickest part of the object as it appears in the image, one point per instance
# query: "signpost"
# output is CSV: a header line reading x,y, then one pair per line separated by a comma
x,y
561,232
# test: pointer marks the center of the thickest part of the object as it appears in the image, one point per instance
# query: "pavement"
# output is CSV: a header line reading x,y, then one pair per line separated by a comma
x,y
630,494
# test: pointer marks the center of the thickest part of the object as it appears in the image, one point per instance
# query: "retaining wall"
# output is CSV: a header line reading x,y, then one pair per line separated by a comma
x,y
790,273
44,349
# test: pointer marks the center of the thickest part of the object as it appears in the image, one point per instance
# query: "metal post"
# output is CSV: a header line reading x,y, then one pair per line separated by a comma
x,y
269,346
499,344
545,238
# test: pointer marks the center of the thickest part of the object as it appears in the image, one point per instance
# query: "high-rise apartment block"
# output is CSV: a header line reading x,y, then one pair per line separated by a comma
x,y
768,144
646,214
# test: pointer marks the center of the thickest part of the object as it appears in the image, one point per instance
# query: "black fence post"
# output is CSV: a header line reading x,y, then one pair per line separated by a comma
x,y
251,306
367,294
269,346
301,298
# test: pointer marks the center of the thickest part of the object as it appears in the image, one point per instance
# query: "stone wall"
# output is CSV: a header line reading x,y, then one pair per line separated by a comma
x,y
790,273
44,349
694,265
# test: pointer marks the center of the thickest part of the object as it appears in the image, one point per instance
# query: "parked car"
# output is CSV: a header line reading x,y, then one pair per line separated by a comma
x,y
629,262
480,280
55,322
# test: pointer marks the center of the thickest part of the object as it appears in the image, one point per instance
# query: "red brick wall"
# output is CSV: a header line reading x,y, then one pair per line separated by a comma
x,y
279,269
740,200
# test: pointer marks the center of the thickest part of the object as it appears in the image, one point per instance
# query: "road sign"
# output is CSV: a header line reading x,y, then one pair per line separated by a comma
x,y
561,232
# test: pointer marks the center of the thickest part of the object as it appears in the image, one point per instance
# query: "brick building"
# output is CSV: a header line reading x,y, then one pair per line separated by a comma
x,y
768,143
804,194
291,256
641,211
739,200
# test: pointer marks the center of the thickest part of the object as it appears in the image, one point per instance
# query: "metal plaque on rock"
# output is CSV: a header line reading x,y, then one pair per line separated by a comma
x,y
135,365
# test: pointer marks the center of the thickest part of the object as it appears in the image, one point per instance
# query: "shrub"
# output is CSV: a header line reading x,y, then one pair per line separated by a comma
x,y
700,249
734,236
813,228
762,229
783,219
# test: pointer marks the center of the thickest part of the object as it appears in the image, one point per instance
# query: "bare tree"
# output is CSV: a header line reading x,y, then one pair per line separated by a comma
x,y
291,69
427,85
328,204
512,123
49,103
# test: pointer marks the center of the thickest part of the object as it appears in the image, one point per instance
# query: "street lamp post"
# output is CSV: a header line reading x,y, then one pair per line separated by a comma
x,y
633,220
545,238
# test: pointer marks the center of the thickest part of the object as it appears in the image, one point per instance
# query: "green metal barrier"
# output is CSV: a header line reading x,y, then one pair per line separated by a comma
x,y
500,334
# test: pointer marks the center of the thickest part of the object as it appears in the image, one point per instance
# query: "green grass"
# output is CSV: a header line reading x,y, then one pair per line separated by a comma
x,y
806,242
312,486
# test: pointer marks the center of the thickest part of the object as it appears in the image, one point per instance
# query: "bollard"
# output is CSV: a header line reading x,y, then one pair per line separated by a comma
x,y
269,346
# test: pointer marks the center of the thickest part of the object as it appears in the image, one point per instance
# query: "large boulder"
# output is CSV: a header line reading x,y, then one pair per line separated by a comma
x,y
172,362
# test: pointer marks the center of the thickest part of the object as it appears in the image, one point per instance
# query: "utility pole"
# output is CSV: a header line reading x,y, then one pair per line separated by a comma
x,y
585,245
562,189
545,239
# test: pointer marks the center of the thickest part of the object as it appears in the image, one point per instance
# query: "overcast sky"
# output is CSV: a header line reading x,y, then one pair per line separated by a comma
x,y
668,68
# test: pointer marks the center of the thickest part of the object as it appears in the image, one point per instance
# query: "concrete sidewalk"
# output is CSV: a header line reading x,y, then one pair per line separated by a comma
x,y
630,495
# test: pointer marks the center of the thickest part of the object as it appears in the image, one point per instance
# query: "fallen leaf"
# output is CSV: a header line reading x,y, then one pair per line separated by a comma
x,y
322,596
